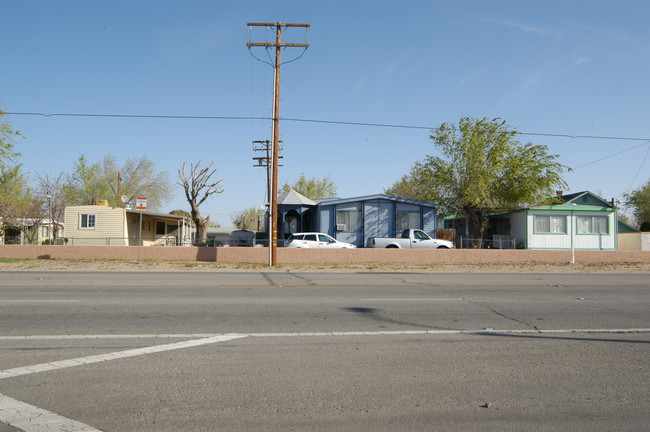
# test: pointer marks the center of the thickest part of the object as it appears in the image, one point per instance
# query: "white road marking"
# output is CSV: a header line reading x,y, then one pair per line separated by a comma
x,y
112,336
39,301
448,332
44,367
29,418
412,299
204,336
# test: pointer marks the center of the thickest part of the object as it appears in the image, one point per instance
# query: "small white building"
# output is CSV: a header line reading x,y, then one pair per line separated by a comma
x,y
565,226
583,221
116,226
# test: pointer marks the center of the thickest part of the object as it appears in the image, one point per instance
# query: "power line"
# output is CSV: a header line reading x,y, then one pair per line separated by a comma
x,y
640,168
148,116
334,122
612,155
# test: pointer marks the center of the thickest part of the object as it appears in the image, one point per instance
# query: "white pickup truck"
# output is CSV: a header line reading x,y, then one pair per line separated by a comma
x,y
411,239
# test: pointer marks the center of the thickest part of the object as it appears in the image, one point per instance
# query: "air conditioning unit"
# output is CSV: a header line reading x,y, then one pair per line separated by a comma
x,y
341,227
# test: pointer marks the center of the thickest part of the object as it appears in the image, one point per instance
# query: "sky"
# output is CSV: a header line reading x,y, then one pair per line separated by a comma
x,y
555,70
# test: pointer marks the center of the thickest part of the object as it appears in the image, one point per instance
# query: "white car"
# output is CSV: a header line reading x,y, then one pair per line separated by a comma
x,y
316,240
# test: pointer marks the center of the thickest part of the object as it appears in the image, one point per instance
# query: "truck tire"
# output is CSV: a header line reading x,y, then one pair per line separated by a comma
x,y
391,247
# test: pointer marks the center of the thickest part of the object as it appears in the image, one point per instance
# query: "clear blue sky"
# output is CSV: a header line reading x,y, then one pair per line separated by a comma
x,y
550,67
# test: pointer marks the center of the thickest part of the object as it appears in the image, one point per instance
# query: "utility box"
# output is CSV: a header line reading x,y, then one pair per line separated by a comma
x,y
242,238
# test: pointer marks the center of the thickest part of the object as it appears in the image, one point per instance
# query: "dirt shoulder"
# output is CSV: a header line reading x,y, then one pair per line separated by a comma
x,y
175,266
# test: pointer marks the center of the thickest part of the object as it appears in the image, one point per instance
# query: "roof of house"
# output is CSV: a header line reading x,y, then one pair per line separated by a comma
x,y
294,198
570,198
334,201
573,207
158,215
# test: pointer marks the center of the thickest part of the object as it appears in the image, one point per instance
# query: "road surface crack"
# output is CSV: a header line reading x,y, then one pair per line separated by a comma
x,y
496,312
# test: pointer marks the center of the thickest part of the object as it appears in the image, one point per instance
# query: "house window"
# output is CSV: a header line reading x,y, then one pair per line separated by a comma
x,y
406,220
87,221
348,220
550,224
160,228
593,225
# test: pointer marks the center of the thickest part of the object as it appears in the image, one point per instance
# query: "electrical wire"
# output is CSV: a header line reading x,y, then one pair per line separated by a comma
x,y
640,167
334,122
148,116
613,154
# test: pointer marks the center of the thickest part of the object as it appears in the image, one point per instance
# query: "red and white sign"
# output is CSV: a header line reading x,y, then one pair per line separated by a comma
x,y
141,203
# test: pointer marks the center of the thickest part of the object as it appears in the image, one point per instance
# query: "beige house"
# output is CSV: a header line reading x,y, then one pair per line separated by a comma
x,y
116,226
29,231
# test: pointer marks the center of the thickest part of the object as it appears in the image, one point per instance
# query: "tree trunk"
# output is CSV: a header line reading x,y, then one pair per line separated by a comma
x,y
478,223
201,225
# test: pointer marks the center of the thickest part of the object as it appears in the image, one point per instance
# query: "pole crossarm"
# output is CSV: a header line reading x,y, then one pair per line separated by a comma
x,y
277,24
267,45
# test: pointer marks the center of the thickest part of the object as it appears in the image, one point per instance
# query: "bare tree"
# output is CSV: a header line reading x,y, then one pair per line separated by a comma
x,y
50,188
248,219
198,188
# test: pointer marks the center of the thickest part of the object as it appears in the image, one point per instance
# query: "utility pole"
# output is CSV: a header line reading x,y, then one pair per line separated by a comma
x,y
119,186
273,198
265,161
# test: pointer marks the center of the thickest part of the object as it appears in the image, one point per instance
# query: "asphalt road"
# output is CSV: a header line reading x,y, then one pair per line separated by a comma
x,y
216,351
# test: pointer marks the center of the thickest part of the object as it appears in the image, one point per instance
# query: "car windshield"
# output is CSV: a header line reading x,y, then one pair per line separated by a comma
x,y
326,238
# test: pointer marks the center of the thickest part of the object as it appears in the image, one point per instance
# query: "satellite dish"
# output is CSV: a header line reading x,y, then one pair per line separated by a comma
x,y
124,199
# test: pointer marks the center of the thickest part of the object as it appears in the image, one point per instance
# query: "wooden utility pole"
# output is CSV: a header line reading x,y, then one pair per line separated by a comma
x,y
119,189
265,161
273,198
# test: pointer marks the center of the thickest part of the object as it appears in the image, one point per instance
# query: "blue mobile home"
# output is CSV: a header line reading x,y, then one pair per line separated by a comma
x,y
356,220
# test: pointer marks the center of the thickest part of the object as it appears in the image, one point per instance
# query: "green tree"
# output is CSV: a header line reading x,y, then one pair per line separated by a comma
x,y
106,180
249,219
7,140
86,184
412,185
481,169
312,188
638,201
19,207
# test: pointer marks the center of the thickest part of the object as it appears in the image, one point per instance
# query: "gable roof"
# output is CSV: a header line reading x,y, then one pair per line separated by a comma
x,y
583,197
294,198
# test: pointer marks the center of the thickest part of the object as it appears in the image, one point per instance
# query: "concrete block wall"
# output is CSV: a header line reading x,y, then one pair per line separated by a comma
x,y
316,256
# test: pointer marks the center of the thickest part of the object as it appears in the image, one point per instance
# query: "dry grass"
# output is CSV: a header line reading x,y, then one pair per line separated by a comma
x,y
197,266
